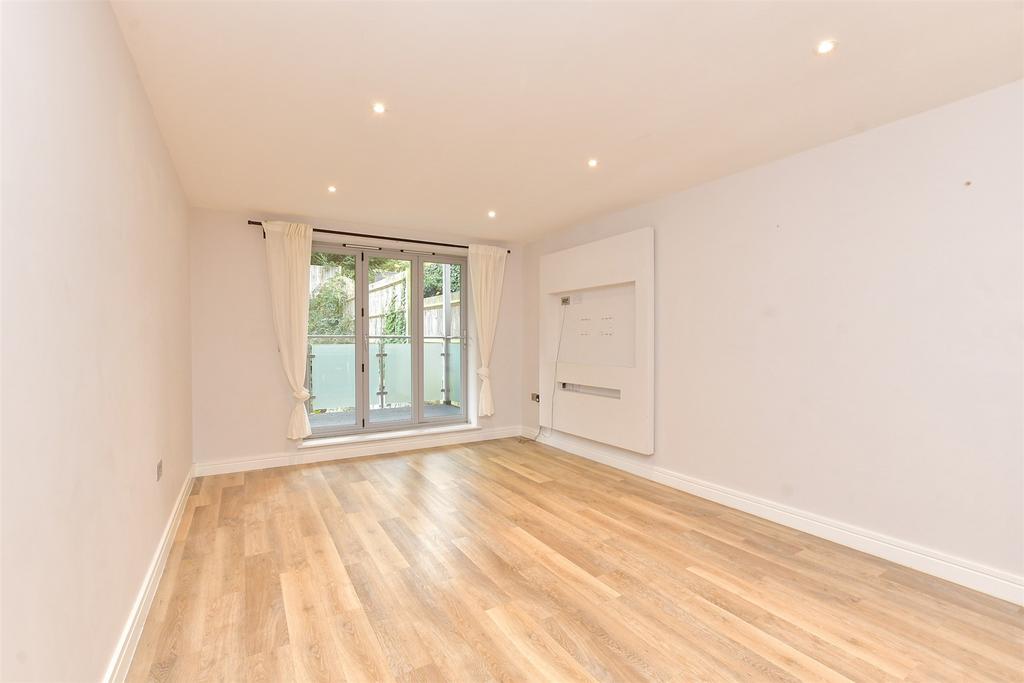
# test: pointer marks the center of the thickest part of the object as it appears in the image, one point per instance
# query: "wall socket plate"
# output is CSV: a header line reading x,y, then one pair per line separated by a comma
x,y
159,469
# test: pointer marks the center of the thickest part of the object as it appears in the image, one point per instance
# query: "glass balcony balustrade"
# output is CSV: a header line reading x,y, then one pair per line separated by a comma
x,y
331,372
333,379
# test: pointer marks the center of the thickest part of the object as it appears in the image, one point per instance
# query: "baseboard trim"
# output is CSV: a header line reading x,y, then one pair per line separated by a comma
x,y
991,581
354,450
117,670
995,582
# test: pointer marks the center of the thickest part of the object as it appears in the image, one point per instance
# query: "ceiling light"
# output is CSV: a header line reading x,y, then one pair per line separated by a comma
x,y
492,214
592,163
826,46
379,108
332,188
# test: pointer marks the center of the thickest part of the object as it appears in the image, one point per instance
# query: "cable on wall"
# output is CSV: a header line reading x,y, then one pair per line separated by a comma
x,y
554,372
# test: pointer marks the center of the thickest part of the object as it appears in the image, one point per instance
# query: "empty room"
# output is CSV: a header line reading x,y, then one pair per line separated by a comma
x,y
511,341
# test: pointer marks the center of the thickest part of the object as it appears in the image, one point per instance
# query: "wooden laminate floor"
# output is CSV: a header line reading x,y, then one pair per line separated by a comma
x,y
513,561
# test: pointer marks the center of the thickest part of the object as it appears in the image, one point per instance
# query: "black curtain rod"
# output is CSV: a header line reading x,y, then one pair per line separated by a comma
x,y
378,237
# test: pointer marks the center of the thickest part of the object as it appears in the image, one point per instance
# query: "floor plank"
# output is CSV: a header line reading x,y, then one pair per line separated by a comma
x,y
508,560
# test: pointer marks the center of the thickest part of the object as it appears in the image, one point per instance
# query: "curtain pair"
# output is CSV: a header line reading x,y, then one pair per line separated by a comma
x,y
289,247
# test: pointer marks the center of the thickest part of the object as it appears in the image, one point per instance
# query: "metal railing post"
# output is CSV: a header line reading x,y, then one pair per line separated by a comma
x,y
381,384
446,396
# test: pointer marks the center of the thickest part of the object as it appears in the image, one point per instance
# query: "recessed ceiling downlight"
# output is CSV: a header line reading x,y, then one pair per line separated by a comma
x,y
332,188
826,46
492,214
379,108
592,163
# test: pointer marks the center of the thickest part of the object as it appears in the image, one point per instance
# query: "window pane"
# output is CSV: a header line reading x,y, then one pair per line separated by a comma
x,y
442,341
331,367
390,348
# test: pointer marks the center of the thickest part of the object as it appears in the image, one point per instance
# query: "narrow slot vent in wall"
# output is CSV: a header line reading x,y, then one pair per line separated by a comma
x,y
605,392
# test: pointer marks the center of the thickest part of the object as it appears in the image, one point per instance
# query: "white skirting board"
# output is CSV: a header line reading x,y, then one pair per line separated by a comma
x,y
117,670
995,582
354,450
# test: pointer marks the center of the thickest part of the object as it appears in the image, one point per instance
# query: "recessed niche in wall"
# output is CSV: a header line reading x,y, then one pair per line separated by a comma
x,y
599,326
597,341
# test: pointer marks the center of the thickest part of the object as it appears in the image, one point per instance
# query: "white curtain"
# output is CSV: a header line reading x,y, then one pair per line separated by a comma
x,y
486,272
288,251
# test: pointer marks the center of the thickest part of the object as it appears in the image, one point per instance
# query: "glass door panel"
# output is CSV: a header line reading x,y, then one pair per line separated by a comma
x,y
389,357
442,341
331,358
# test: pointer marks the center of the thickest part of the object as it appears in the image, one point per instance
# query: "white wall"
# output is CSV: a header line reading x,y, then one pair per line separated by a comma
x,y
840,332
95,360
241,400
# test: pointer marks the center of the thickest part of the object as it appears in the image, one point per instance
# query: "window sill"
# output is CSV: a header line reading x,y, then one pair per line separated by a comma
x,y
319,442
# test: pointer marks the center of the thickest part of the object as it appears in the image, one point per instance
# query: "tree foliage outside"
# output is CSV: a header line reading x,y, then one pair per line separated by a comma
x,y
433,279
395,319
381,268
330,306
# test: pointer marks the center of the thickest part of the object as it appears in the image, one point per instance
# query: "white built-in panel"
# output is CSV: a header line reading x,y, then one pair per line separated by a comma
x,y
597,340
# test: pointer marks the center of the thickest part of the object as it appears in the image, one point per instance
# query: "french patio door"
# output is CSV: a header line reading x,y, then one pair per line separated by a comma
x,y
386,340
390,380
